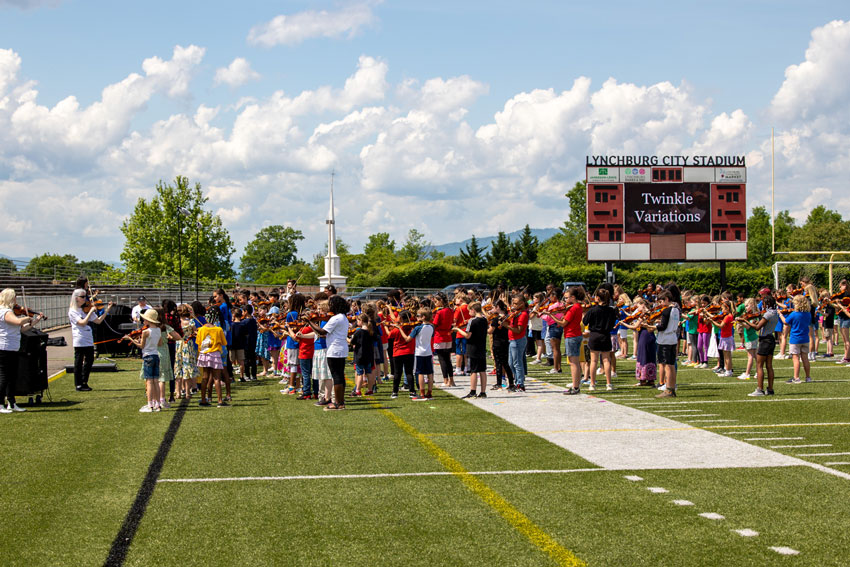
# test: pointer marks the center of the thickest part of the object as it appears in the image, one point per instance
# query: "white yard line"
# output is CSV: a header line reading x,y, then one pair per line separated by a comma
x,y
801,446
837,463
618,437
375,475
822,454
763,400
773,438
785,551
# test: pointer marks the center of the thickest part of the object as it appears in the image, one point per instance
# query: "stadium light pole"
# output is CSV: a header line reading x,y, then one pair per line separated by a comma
x,y
181,212
198,226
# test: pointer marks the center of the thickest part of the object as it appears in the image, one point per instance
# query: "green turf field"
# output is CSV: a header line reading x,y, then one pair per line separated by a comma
x,y
75,465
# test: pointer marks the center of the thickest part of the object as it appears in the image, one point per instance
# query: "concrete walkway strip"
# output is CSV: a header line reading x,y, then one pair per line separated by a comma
x,y
619,437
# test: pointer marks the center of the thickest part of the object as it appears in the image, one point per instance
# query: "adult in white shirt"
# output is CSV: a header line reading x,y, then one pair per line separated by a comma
x,y
82,337
10,342
335,332
141,305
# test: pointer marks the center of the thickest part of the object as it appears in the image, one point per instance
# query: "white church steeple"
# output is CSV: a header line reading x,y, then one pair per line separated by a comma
x,y
332,263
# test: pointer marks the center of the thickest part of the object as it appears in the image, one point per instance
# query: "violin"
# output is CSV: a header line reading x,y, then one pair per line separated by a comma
x,y
26,312
133,334
751,316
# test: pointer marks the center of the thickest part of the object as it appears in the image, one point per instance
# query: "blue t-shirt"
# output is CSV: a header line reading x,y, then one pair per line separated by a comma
x,y
799,322
291,317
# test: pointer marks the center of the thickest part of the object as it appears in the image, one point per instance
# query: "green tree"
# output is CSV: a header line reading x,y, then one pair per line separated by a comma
x,y
472,256
526,247
93,268
273,247
415,248
501,251
823,230
379,253
151,235
759,253
569,247
783,226
62,267
302,272
7,266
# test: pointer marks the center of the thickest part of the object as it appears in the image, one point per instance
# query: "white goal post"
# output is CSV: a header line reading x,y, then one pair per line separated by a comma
x,y
825,274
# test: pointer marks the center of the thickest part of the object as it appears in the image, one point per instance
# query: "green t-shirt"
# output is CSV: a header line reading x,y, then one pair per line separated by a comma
x,y
692,324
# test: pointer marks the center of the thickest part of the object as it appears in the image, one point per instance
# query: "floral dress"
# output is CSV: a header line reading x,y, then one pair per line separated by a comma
x,y
263,345
186,354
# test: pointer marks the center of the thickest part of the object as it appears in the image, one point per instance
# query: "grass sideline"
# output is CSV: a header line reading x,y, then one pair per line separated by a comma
x,y
76,464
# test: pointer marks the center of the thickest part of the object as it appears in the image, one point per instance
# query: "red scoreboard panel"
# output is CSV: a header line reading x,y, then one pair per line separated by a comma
x,y
666,213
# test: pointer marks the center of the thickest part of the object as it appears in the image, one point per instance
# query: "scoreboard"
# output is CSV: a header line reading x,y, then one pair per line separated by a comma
x,y
666,208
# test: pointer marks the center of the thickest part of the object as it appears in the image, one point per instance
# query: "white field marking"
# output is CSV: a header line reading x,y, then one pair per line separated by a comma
x,y
828,470
682,415
746,532
683,502
678,410
748,433
618,437
657,490
712,516
375,475
821,454
778,425
773,438
837,463
769,400
633,478
801,446
711,420
785,550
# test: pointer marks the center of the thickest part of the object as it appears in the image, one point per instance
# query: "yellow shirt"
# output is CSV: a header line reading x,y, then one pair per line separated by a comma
x,y
210,339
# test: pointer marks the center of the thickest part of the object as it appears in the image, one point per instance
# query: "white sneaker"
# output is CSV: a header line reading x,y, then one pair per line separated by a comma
x,y
591,388
613,375
728,373
703,365
609,387
284,381
146,409
535,361
598,371
15,407
4,409
553,371
662,387
744,376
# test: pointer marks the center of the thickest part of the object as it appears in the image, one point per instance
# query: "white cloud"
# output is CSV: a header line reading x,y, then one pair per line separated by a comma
x,y
236,74
28,4
816,86
295,28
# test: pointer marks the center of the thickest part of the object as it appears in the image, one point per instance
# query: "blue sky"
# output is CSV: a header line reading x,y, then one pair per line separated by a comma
x,y
480,111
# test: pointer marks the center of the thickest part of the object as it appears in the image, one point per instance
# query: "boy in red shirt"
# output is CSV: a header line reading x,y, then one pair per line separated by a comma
x,y
403,355
306,347
460,319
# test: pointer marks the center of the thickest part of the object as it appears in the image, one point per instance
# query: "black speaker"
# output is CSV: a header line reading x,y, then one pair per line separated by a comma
x,y
32,363
106,334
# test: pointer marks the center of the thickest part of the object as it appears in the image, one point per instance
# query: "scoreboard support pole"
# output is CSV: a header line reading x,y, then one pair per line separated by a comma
x,y
722,275
609,273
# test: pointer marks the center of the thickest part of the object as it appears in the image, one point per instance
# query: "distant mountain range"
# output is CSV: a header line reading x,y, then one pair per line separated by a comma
x,y
454,248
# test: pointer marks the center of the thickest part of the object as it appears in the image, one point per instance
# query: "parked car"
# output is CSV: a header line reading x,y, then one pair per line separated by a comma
x,y
568,285
372,293
449,290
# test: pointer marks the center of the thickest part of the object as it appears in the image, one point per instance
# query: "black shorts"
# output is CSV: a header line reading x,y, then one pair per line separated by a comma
x,y
336,366
537,335
478,364
667,354
600,342
766,345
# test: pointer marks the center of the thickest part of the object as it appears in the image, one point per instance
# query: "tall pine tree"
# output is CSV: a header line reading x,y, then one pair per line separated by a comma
x,y
472,256
501,251
525,248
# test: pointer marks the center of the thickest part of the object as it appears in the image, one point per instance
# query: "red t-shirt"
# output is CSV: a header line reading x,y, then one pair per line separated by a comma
x,y
400,347
305,346
520,321
726,329
383,331
461,316
442,321
703,326
573,319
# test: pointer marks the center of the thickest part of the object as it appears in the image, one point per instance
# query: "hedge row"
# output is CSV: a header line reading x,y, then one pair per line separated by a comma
x,y
704,280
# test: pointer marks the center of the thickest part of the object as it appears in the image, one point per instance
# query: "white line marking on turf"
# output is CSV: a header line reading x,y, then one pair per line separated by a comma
x,y
773,438
711,420
678,410
800,446
376,475
785,550
778,425
633,478
712,516
683,502
748,433
758,401
837,463
657,490
746,532
821,454
828,470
